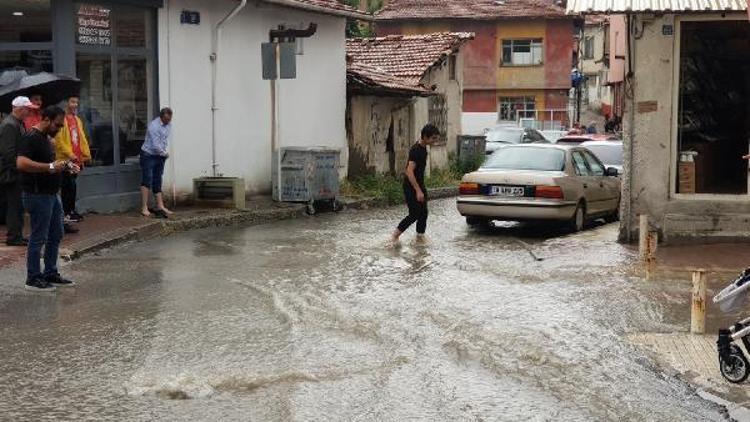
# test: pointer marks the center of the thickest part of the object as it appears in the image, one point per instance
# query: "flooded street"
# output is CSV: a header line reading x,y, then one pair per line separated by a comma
x,y
319,320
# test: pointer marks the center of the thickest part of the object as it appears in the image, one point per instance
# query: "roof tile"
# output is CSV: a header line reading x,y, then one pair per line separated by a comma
x,y
407,57
471,9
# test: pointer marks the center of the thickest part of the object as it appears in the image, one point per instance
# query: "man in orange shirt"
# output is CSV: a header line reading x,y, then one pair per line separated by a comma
x,y
71,145
35,114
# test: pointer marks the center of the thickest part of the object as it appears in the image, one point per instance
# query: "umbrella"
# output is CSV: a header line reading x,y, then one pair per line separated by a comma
x,y
54,88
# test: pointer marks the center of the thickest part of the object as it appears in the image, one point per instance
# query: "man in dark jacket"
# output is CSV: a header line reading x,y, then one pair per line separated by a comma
x,y
11,130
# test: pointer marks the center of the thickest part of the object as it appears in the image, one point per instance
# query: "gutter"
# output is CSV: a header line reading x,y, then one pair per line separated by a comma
x,y
214,70
321,9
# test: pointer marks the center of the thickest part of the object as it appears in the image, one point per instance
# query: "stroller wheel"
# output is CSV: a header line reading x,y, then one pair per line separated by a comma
x,y
735,368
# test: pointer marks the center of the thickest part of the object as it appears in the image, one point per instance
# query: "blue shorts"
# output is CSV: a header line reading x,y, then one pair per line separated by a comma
x,y
152,170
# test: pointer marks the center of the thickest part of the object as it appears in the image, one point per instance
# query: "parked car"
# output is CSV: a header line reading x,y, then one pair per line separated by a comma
x,y
608,152
511,135
553,135
541,182
579,139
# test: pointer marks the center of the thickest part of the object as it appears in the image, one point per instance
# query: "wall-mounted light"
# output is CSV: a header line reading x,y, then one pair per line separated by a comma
x,y
18,14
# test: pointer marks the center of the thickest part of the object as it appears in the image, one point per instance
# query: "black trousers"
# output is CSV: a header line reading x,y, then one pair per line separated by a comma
x,y
417,210
11,194
68,192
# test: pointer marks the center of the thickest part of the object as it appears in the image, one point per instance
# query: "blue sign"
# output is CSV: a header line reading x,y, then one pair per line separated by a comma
x,y
190,18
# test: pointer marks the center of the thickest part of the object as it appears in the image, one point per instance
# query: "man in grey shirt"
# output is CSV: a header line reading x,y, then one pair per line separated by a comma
x,y
11,130
153,157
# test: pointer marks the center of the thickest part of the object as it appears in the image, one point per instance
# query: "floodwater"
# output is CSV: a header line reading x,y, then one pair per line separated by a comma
x,y
319,320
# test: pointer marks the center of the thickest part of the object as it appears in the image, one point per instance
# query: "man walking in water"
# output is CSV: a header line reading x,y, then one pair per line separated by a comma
x,y
414,188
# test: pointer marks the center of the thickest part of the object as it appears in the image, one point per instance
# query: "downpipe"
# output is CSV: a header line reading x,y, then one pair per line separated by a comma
x,y
214,71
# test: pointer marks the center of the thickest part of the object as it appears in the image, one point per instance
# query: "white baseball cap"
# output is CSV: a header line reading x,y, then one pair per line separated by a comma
x,y
23,102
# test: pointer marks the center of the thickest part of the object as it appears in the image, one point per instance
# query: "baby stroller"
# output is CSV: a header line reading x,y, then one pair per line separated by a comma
x,y
733,363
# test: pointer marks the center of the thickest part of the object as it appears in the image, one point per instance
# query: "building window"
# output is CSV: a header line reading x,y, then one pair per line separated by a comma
x,y
513,108
25,21
437,114
452,67
588,48
523,52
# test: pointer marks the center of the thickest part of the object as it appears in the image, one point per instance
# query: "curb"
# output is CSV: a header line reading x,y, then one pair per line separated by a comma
x,y
248,218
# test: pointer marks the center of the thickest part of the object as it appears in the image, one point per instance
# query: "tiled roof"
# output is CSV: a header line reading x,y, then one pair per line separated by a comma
x,y
405,56
365,77
331,7
471,9
650,6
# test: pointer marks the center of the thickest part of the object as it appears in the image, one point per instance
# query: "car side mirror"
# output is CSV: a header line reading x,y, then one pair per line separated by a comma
x,y
611,172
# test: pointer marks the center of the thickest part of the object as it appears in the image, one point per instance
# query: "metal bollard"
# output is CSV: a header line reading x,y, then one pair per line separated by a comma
x,y
652,242
643,236
698,310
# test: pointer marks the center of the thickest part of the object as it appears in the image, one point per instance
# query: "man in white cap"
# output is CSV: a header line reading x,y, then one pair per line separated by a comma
x,y
11,130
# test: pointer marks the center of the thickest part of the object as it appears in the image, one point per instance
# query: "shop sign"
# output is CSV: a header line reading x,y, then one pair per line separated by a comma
x,y
94,25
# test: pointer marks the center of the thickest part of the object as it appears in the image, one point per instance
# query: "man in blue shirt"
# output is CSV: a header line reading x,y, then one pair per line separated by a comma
x,y
153,156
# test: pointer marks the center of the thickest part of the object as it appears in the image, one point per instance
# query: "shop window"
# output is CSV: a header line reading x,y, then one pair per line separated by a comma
x,y
93,25
131,28
95,73
25,21
522,52
513,108
714,101
133,106
30,60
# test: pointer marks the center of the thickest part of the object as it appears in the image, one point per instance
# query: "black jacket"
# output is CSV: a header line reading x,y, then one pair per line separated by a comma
x,y
11,130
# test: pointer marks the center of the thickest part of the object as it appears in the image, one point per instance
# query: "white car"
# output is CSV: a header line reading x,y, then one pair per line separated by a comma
x,y
609,152
510,135
541,182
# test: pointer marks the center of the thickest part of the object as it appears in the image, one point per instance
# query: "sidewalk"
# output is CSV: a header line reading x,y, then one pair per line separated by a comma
x,y
103,231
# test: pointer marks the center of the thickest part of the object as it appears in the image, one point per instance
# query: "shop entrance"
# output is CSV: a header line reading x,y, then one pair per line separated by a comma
x,y
714,105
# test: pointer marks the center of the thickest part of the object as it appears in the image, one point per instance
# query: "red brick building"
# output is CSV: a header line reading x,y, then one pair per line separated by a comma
x,y
518,65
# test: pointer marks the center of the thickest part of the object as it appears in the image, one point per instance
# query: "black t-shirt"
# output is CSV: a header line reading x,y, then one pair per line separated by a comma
x,y
418,154
37,147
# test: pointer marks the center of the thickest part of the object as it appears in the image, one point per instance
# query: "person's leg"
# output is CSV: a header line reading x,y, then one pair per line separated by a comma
x,y
14,212
67,193
414,212
146,182
54,236
157,182
40,213
422,220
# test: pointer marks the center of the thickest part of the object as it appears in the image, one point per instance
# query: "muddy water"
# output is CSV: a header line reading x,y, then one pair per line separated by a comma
x,y
319,320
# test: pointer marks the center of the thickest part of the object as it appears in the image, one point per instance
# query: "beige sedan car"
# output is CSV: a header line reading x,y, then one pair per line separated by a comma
x,y
563,183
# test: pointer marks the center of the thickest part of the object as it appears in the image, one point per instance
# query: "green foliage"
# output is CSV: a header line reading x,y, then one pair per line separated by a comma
x,y
388,188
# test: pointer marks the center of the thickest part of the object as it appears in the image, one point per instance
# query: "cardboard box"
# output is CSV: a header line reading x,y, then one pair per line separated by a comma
x,y
686,177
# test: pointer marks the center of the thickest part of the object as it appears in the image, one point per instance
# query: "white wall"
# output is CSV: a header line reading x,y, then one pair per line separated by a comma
x,y
475,123
312,107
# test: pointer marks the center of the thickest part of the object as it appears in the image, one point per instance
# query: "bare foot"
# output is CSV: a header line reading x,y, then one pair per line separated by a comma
x,y
422,239
166,211
145,212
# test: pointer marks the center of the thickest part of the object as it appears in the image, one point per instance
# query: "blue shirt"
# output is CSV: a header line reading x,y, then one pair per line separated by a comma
x,y
157,138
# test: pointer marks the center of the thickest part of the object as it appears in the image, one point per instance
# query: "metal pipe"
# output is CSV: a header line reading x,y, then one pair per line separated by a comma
x,y
214,65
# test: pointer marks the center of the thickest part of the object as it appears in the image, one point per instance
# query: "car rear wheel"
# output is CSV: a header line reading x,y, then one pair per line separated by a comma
x,y
578,222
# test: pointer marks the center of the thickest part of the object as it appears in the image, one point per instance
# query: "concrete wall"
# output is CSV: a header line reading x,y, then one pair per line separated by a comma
x,y
439,76
651,148
371,119
312,107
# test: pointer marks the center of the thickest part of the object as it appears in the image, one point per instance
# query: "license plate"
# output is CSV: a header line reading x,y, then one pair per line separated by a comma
x,y
507,190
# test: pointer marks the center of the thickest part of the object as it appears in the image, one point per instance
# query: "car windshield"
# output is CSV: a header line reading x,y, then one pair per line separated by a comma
x,y
508,136
608,154
527,158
